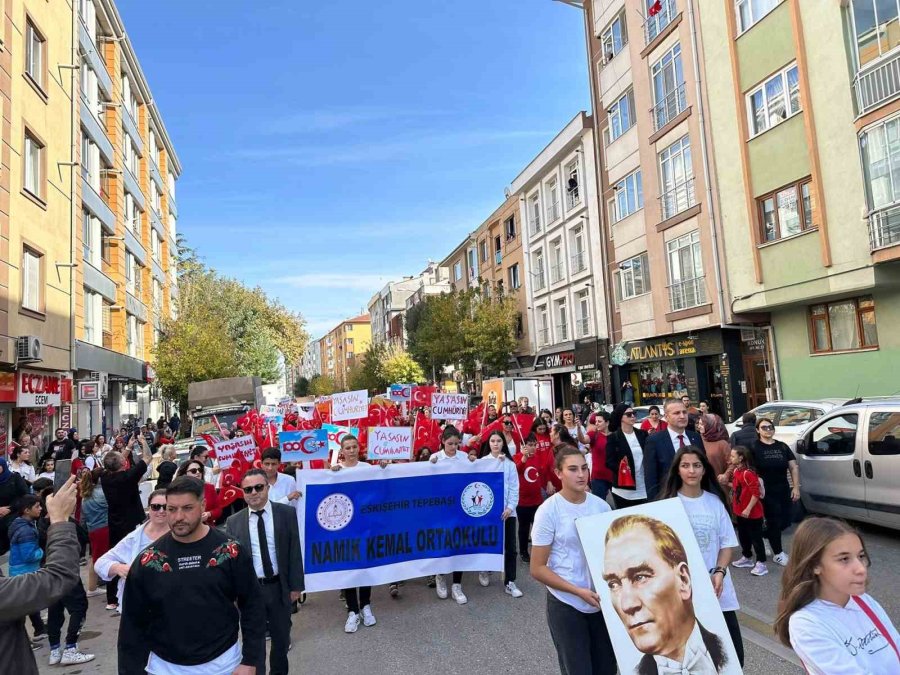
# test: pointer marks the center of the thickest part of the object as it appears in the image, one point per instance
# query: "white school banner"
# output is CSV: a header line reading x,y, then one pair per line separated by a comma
x,y
225,451
390,443
350,405
449,406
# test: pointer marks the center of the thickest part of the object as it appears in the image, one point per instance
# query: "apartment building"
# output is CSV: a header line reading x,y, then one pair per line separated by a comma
x,y
561,250
125,282
462,264
311,361
662,246
343,346
389,305
804,103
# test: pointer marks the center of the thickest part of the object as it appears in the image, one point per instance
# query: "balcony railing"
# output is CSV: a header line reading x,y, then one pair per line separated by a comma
x,y
539,280
656,23
877,85
534,225
562,329
688,293
573,198
552,212
544,336
669,107
884,227
677,198
583,326
578,262
557,272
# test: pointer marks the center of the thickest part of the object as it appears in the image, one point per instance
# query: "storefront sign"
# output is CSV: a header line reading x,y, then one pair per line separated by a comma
x,y
7,387
558,360
89,391
588,354
38,390
65,417
679,346
149,373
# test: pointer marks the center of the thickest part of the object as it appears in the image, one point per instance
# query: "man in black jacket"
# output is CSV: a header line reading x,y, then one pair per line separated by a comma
x,y
661,447
746,434
270,532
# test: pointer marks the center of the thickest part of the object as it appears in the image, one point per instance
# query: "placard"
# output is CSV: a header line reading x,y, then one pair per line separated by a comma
x,y
492,393
350,405
335,434
225,451
449,406
390,443
401,392
303,446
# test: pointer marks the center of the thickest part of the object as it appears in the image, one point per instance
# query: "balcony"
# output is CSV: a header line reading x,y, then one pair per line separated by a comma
x,y
557,273
543,337
539,279
562,329
669,108
573,198
583,326
157,177
130,126
534,224
96,205
95,60
96,132
579,262
688,293
553,212
884,227
157,223
655,24
878,84
677,199
132,187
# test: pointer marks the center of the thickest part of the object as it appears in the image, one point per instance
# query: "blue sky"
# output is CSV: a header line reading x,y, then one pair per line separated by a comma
x,y
330,147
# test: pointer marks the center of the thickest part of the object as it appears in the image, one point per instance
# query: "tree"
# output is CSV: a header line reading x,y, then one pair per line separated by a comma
x,y
321,385
491,332
398,366
301,387
365,371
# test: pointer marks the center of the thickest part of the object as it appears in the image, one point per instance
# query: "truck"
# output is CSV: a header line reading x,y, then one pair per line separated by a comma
x,y
223,400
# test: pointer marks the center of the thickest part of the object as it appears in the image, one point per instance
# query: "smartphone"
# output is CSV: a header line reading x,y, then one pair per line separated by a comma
x,y
62,471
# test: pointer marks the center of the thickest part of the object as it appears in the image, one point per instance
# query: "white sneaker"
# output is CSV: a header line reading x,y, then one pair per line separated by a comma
x,y
742,562
513,590
352,623
367,617
759,570
458,595
782,559
55,657
440,586
72,656
484,578
94,593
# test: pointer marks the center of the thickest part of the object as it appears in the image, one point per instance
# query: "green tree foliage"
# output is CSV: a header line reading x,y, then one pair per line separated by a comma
x,y
301,387
491,332
364,374
397,366
222,329
321,385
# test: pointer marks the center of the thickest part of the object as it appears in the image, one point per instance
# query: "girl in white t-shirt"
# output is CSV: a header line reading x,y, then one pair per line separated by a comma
x,y
576,623
692,479
825,614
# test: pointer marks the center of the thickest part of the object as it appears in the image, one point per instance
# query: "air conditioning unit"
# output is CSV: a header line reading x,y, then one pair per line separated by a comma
x,y
28,349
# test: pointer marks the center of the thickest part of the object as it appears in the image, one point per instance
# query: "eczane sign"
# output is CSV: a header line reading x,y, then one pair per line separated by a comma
x,y
37,389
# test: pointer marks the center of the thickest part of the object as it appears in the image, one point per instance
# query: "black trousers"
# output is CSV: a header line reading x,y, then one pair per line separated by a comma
x,y
525,516
778,508
278,623
749,533
734,629
582,642
76,604
357,598
510,555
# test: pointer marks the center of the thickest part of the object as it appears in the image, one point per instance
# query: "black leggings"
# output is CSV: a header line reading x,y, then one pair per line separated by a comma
x,y
509,549
356,600
777,507
749,533
734,629
76,604
525,516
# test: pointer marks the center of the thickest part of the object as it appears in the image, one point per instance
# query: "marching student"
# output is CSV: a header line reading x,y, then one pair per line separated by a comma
x,y
532,476
824,613
576,623
544,452
748,509
449,452
282,487
495,450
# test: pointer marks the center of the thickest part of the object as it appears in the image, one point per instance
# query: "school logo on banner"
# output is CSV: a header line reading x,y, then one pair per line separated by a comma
x,y
477,499
335,512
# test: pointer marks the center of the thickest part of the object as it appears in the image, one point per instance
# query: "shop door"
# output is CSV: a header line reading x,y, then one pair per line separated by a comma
x,y
715,390
755,374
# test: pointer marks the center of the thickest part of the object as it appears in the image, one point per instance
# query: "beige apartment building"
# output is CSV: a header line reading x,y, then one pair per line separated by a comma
x,y
343,346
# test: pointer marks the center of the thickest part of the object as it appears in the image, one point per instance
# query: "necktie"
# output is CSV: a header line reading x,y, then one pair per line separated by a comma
x,y
680,440
268,570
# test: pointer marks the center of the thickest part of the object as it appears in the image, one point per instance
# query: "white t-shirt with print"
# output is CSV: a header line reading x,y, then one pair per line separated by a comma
x,y
835,640
554,526
714,531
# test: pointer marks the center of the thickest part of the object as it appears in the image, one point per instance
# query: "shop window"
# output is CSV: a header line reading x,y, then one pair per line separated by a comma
x,y
131,393
662,380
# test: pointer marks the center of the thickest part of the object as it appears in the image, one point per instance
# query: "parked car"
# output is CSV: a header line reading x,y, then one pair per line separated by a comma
x,y
850,462
791,418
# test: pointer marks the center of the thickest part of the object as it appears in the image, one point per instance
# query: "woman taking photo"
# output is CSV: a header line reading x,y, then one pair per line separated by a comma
x,y
625,458
576,623
691,478
194,468
449,452
20,463
494,451
824,613
653,422
773,459
115,563
598,433
576,431
95,519
715,441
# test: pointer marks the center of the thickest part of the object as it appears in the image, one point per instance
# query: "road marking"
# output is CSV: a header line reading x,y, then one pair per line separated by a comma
x,y
757,628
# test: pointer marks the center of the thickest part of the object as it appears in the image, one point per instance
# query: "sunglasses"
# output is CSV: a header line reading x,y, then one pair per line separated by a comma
x,y
507,423
630,413
766,427
250,489
157,507
197,471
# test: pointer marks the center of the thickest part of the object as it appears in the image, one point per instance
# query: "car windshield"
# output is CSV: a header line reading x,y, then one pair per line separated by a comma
x,y
792,416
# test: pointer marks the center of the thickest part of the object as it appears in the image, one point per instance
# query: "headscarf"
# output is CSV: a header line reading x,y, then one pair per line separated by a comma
x,y
6,474
615,420
714,428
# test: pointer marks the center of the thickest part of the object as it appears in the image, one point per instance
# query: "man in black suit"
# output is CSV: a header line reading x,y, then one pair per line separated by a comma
x,y
646,569
661,447
270,532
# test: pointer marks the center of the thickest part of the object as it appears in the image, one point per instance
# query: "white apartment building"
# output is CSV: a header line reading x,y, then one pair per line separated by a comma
x,y
311,362
387,308
563,269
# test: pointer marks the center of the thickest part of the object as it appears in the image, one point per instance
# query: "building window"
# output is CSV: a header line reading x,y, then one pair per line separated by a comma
x,y
553,201
786,212
473,263
457,270
579,256
665,11
748,12
128,97
668,88
775,100
91,236
573,191
562,327
154,148
132,214
93,317
558,268
629,195
614,38
686,283
482,247
35,44
131,156
154,198
583,300
843,326
544,326
534,215
509,227
633,277
875,28
513,277
32,280
676,173
34,167
498,250
539,279
621,115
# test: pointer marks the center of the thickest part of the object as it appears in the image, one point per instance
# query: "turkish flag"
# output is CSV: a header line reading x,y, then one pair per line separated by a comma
x,y
427,434
522,423
655,8
473,422
421,396
626,478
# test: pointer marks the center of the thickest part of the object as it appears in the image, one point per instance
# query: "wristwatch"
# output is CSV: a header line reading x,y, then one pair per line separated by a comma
x,y
718,569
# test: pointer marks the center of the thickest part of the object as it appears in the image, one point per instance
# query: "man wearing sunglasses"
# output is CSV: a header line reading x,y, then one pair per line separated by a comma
x,y
270,532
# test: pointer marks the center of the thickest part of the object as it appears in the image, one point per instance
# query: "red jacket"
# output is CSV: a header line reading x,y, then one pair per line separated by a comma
x,y
548,460
599,470
212,503
746,486
532,477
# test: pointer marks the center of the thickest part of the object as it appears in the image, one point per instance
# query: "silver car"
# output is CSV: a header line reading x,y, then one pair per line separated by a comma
x,y
791,418
850,462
